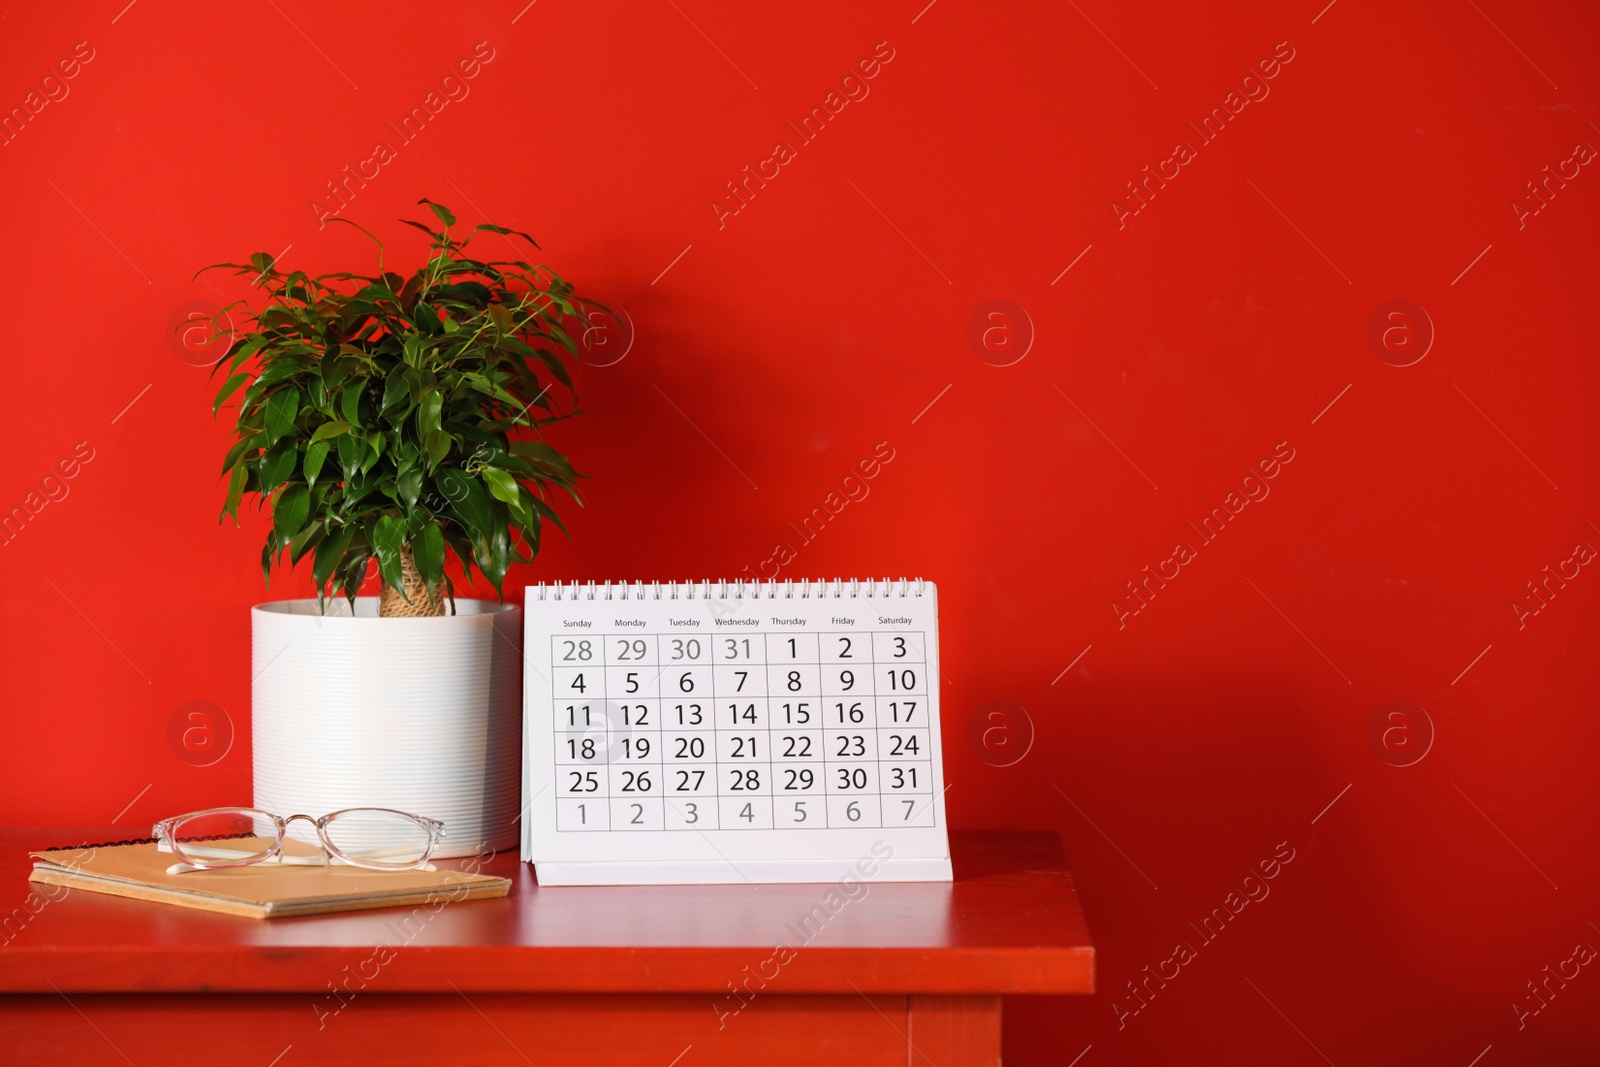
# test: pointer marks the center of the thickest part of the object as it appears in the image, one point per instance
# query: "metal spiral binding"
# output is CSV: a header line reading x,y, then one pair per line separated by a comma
x,y
738,589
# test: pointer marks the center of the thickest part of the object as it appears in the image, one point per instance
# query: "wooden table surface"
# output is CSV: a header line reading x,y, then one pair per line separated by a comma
x,y
1009,923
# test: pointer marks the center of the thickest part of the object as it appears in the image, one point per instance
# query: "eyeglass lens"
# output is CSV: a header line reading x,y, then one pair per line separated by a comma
x,y
376,837
224,837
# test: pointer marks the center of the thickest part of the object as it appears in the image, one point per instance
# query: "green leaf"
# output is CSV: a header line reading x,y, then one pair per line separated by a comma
x,y
353,453
494,556
544,456
374,443
438,445
330,552
387,537
316,453
281,409
331,429
305,540
461,546
276,465
543,355
227,390
443,213
350,403
467,498
475,294
290,511
427,319
428,413
317,393
236,452
427,550
424,229
502,485
235,491
547,512
246,348
408,484
267,551
395,390
355,571
489,227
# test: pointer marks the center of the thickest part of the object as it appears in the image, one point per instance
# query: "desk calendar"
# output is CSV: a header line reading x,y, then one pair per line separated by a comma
x,y
732,732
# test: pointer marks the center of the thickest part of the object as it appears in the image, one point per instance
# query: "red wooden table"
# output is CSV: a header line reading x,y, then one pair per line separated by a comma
x,y
882,973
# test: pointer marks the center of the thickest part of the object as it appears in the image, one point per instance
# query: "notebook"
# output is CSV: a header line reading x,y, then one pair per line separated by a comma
x,y
706,732
259,891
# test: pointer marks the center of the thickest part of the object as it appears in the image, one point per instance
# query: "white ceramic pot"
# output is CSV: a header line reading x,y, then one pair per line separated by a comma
x,y
422,715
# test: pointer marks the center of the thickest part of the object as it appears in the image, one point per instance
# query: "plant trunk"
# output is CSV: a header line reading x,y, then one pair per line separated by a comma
x,y
422,600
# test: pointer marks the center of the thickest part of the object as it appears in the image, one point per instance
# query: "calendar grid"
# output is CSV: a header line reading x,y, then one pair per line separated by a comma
x,y
642,721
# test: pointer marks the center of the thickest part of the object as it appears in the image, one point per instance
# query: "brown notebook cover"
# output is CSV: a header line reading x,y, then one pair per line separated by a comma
x,y
259,891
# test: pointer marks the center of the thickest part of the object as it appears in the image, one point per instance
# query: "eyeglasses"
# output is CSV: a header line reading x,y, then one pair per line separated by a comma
x,y
378,839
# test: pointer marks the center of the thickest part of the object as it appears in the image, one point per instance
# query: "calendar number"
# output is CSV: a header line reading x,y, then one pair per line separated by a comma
x,y
746,714
903,746
852,778
690,748
686,648
636,781
899,647
744,748
630,650
851,745
746,781
581,750
851,714
690,781
904,679
796,747
689,714
583,782
578,651
796,714
844,648
800,779
903,778
574,711
636,748
738,648
898,708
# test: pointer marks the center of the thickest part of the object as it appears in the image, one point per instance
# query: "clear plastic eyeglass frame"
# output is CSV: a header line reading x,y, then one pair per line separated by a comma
x,y
213,853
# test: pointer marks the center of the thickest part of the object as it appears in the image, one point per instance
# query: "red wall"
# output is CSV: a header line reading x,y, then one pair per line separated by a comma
x,y
1176,749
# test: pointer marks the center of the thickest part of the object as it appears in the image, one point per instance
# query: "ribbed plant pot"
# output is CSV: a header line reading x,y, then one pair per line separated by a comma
x,y
422,715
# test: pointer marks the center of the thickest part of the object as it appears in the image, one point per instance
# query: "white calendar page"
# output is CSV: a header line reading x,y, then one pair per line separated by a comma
x,y
730,732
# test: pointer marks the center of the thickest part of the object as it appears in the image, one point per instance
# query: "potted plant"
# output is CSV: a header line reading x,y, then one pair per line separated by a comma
x,y
383,422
